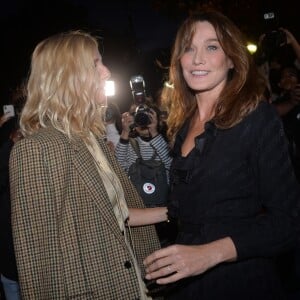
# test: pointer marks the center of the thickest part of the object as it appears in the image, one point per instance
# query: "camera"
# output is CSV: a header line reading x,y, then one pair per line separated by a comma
x,y
9,110
274,37
142,112
141,116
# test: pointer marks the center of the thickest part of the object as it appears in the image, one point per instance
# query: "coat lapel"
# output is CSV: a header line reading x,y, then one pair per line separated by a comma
x,y
84,163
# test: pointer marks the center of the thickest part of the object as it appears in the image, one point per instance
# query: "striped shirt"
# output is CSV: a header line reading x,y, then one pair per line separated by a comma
x,y
126,155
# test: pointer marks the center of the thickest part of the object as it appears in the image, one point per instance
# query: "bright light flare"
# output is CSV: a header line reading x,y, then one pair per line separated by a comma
x,y
252,48
109,88
168,85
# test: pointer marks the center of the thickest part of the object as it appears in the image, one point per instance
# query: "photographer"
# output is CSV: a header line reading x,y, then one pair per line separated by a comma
x,y
287,104
149,139
292,41
152,145
278,49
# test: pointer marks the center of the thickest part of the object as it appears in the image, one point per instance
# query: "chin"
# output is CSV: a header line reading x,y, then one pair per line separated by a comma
x,y
102,100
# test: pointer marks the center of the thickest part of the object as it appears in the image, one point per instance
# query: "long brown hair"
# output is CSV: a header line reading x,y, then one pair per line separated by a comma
x,y
245,86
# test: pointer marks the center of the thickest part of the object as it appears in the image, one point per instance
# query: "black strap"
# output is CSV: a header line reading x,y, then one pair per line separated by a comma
x,y
135,145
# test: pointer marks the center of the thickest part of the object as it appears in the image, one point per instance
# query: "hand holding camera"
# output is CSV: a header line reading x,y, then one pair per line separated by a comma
x,y
141,114
145,117
290,38
272,39
154,123
127,122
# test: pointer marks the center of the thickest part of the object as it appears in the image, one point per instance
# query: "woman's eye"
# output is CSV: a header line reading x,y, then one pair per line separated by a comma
x,y
212,48
188,49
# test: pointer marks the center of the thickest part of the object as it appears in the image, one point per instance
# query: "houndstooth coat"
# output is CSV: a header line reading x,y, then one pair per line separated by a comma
x,y
67,241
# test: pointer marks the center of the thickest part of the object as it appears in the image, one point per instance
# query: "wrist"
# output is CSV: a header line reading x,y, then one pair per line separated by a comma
x,y
124,134
224,250
153,133
123,141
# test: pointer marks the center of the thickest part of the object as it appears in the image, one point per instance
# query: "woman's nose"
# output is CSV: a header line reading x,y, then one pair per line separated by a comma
x,y
105,72
198,58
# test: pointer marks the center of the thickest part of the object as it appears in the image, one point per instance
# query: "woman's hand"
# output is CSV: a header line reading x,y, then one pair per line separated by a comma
x,y
4,118
290,37
179,261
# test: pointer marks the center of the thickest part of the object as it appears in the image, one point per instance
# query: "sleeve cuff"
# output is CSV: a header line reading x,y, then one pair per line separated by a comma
x,y
124,141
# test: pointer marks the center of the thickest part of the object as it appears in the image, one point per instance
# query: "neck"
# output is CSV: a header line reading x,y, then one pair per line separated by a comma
x,y
204,112
207,102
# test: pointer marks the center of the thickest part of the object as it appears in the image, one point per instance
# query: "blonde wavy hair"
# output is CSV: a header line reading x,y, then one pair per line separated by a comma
x,y
245,86
62,86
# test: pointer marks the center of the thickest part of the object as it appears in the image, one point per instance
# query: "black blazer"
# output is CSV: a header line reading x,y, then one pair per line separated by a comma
x,y
237,183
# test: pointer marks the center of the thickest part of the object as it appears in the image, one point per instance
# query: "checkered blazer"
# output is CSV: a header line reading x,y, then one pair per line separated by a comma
x,y
67,240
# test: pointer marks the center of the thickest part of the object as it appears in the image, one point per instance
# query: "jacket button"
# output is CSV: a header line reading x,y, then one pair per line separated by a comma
x,y
127,264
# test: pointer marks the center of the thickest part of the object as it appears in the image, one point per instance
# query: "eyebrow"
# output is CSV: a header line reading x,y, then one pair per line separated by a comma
x,y
209,40
212,40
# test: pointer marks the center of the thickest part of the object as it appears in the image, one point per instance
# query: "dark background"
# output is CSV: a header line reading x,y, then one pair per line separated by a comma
x,y
136,35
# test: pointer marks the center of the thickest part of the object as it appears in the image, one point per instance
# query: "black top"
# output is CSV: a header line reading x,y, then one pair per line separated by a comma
x,y
237,182
7,256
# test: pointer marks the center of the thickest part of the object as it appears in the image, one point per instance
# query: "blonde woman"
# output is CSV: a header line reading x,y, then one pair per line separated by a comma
x,y
70,198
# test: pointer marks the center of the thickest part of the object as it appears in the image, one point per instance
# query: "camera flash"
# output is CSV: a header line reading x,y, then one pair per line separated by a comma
x,y
109,88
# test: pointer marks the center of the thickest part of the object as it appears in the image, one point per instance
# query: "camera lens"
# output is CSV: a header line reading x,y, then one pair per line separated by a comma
x,y
142,118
